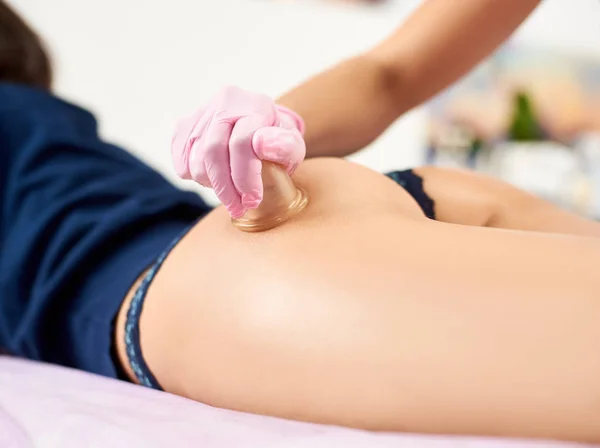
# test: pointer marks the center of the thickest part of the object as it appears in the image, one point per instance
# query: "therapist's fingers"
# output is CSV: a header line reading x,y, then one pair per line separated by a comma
x,y
216,160
182,142
279,145
246,167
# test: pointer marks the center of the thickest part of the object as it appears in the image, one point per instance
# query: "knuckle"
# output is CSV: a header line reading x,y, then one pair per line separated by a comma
x,y
222,116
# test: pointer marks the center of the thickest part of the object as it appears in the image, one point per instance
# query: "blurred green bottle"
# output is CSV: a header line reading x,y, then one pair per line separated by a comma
x,y
524,126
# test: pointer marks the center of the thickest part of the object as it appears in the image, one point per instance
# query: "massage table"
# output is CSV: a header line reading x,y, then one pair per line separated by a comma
x,y
44,406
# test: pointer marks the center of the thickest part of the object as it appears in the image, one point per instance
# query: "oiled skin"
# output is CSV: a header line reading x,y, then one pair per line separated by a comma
x,y
362,312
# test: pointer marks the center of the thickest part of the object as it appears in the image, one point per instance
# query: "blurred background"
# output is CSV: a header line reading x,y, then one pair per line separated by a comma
x,y
530,114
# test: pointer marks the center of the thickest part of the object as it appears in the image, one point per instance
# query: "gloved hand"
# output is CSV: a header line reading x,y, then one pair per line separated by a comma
x,y
222,146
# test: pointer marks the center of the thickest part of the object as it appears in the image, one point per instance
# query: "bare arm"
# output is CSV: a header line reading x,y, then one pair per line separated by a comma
x,y
348,106
468,198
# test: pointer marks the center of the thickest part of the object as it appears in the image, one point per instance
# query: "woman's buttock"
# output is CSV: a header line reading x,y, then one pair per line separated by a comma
x,y
220,283
363,312
354,220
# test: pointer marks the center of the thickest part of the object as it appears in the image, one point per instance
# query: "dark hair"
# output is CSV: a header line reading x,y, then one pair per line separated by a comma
x,y
23,58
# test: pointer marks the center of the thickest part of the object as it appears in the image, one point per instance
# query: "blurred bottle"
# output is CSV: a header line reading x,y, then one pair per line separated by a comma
x,y
533,161
475,153
524,125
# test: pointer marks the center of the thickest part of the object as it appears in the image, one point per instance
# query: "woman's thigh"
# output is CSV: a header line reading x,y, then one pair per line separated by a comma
x,y
388,322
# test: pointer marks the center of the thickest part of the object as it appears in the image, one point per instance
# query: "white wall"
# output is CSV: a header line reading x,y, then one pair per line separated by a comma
x,y
142,64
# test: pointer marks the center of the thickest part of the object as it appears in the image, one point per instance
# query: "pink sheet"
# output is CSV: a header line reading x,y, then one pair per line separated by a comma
x,y
45,406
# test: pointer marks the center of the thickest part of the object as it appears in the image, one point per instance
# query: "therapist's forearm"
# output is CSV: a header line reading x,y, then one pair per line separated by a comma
x,y
348,106
445,39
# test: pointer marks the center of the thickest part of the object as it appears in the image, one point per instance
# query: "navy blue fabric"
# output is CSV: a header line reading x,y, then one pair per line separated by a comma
x,y
80,221
407,179
413,184
132,325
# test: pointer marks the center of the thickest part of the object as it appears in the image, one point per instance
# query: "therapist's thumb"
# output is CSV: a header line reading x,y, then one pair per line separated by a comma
x,y
283,146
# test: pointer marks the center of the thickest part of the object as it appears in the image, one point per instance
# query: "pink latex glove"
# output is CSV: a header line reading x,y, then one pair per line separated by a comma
x,y
222,146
